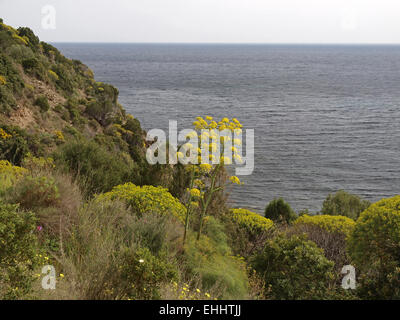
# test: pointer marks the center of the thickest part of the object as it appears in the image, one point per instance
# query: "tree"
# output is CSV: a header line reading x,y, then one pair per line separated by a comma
x,y
374,247
279,211
343,203
294,268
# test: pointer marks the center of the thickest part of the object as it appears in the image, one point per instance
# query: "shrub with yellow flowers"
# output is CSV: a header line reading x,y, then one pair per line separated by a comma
x,y
206,162
9,175
340,224
251,221
18,247
146,199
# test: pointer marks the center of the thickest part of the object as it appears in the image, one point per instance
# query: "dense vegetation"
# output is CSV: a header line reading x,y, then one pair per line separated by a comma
x,y
77,193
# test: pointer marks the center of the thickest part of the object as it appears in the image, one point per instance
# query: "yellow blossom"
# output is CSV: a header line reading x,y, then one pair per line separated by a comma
x,y
235,180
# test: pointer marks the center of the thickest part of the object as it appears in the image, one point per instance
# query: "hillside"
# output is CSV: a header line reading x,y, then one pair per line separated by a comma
x,y
84,216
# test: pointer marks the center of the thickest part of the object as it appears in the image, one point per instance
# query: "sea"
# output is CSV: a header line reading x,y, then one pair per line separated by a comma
x,y
326,117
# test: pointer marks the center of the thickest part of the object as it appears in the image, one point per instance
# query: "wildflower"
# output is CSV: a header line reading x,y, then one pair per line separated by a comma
x,y
39,228
4,135
62,275
208,118
207,295
235,180
195,192
205,167
198,290
141,261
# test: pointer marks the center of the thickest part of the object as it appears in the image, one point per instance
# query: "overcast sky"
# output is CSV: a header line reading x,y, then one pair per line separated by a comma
x,y
226,21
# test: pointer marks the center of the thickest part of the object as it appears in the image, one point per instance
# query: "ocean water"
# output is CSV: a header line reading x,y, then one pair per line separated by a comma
x,y
325,117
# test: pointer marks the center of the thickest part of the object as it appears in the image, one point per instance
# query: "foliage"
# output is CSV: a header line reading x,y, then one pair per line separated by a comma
x,y
105,260
35,192
14,144
294,268
374,246
147,199
330,223
344,204
17,251
279,211
9,175
97,168
210,259
251,221
42,103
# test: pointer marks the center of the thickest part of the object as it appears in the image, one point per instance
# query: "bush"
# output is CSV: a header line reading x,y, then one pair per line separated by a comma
x,y
97,168
14,144
210,259
9,175
329,223
294,268
17,251
374,246
36,192
147,199
105,260
43,103
33,40
252,222
13,77
329,233
344,204
279,211
247,231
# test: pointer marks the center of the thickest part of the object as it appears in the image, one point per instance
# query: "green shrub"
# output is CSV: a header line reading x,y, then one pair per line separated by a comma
x,y
43,103
247,231
329,233
15,146
11,74
33,40
279,211
294,268
344,204
65,78
20,52
374,246
17,251
9,175
34,67
34,192
211,261
147,199
97,168
105,260
100,111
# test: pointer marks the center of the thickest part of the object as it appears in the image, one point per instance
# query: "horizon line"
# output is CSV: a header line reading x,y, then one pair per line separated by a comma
x,y
237,43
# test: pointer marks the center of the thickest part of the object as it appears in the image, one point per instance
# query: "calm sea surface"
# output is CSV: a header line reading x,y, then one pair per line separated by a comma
x,y
325,117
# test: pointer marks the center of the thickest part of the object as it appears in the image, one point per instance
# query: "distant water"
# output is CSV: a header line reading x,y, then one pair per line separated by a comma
x,y
326,117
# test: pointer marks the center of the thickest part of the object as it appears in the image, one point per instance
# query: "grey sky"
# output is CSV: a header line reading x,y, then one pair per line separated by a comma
x,y
236,21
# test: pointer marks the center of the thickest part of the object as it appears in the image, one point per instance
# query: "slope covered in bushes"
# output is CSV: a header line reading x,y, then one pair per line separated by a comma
x,y
78,196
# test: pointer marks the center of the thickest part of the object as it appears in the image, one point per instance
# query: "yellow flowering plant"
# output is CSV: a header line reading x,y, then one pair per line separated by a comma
x,y
208,166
